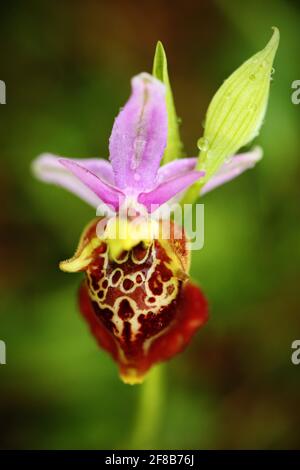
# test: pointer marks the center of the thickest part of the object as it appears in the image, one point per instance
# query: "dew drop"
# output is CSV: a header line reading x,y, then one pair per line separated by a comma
x,y
179,120
272,73
203,144
252,77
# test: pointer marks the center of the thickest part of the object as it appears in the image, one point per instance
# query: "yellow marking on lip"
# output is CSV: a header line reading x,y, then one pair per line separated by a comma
x,y
83,254
81,261
123,235
131,377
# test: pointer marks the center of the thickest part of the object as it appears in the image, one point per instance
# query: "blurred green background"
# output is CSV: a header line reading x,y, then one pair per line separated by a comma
x,y
67,67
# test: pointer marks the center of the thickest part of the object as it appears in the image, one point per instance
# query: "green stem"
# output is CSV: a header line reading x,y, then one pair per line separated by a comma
x,y
150,409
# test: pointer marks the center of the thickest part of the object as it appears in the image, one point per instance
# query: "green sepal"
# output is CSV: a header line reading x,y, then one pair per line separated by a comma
x,y
235,114
174,148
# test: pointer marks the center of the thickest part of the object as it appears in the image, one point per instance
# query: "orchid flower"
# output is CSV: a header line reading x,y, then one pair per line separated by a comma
x,y
137,296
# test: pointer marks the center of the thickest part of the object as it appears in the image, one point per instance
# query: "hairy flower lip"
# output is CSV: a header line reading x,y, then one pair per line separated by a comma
x,y
191,314
136,300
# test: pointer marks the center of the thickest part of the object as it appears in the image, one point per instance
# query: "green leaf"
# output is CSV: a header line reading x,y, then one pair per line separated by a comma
x,y
174,148
236,113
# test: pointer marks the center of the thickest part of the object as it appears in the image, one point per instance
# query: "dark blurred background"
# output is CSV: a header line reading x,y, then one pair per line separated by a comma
x,y
67,67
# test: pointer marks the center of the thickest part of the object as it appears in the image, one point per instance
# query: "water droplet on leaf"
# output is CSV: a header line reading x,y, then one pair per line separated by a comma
x,y
203,144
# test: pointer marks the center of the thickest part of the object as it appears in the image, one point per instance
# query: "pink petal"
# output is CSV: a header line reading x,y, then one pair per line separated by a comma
x,y
107,193
228,171
175,168
167,189
47,168
139,135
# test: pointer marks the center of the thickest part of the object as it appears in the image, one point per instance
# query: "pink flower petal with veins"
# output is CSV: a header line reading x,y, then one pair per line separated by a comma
x,y
48,168
168,188
107,193
139,135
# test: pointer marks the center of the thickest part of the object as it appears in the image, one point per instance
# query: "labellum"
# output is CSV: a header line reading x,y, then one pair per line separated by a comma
x,y
139,304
